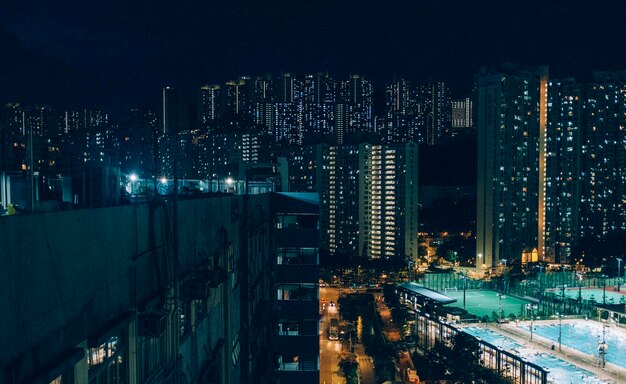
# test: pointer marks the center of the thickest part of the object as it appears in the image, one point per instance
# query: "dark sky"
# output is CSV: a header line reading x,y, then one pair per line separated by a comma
x,y
116,52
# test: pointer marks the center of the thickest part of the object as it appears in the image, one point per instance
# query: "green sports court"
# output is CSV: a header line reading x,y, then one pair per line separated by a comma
x,y
484,303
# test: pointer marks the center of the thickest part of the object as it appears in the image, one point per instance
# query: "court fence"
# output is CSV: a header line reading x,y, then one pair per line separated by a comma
x,y
430,331
546,289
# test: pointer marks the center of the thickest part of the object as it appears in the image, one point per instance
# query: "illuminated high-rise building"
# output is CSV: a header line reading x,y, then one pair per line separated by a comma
x,y
288,123
392,202
370,201
264,115
401,121
438,117
512,134
355,95
604,156
317,107
175,111
563,170
175,145
209,109
236,98
462,113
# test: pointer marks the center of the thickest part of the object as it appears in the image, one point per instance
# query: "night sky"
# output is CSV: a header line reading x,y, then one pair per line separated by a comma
x,y
117,52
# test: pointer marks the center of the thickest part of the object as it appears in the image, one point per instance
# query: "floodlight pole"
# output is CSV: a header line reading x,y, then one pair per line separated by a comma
x,y
416,329
464,277
541,267
619,264
532,324
603,345
532,308
563,289
464,289
560,316
504,262
580,295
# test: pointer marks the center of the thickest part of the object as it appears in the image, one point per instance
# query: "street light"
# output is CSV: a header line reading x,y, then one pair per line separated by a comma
x,y
504,262
541,267
532,308
464,277
619,264
133,178
500,297
580,295
603,347
417,311
603,289
560,316
563,289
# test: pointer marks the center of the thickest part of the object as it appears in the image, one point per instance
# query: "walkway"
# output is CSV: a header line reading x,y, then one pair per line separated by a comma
x,y
366,365
392,333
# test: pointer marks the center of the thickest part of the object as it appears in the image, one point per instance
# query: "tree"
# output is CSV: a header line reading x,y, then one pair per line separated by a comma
x,y
349,366
458,248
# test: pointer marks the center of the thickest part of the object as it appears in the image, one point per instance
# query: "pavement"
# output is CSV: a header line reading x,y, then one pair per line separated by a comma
x,y
393,333
366,365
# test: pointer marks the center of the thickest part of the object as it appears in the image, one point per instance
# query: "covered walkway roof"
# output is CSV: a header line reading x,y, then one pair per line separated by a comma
x,y
427,293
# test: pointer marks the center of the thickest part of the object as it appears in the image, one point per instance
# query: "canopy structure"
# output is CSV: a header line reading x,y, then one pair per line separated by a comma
x,y
422,293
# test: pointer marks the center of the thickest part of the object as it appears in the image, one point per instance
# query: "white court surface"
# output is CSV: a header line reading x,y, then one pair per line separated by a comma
x,y
584,336
560,371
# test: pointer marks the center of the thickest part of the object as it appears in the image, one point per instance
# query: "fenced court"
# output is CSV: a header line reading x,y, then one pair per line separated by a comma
x,y
585,336
595,295
560,371
485,303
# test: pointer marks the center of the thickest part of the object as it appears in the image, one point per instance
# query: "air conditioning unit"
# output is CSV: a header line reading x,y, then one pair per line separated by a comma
x,y
152,324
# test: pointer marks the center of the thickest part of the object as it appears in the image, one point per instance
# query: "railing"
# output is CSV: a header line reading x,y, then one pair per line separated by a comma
x,y
431,331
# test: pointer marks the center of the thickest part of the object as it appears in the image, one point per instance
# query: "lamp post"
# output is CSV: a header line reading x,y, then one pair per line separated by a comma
x,y
580,295
563,288
560,316
500,297
416,329
531,308
229,181
603,347
464,277
504,262
619,264
133,180
541,267
603,289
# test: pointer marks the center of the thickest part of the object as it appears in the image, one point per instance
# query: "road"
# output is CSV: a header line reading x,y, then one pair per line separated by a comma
x,y
329,349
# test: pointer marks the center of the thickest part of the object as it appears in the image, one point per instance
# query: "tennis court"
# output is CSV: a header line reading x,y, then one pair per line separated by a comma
x,y
484,303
